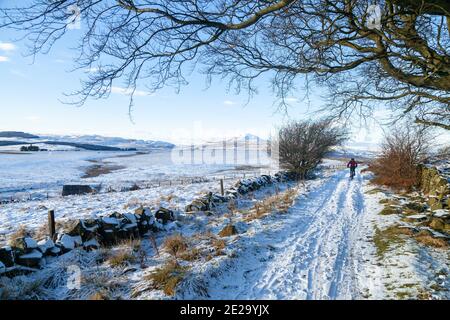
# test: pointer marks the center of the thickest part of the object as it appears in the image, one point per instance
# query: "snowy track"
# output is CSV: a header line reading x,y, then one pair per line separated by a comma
x,y
306,254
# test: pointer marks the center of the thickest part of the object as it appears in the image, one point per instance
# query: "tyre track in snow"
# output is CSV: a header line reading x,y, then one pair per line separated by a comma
x,y
313,250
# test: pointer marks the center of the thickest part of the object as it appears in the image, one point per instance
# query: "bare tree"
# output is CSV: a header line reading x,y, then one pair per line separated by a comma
x,y
303,144
402,62
403,149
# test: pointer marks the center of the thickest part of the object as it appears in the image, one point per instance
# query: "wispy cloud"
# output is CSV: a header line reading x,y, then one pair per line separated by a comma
x,y
92,70
18,73
33,119
291,99
7,46
229,103
4,59
129,91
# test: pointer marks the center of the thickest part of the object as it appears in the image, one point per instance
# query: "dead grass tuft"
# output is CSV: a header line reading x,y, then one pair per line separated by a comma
x,y
175,244
191,254
228,230
384,239
280,202
218,245
425,238
21,232
388,210
100,295
121,258
167,277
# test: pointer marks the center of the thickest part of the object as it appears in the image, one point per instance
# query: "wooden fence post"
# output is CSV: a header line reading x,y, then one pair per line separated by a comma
x,y
51,224
221,187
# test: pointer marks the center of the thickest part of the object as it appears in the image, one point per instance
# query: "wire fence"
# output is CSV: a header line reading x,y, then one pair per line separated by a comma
x,y
131,186
146,184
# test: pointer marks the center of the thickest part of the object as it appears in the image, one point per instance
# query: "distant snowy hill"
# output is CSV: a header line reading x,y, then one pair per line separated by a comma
x,y
241,141
17,134
111,141
88,142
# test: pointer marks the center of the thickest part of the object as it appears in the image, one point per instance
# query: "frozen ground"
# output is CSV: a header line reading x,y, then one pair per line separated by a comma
x,y
309,254
321,248
37,174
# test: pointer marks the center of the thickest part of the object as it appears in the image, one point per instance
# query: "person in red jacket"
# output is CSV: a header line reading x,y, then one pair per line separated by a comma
x,y
352,165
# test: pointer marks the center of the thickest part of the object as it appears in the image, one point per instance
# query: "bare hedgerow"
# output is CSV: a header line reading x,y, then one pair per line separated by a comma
x,y
402,150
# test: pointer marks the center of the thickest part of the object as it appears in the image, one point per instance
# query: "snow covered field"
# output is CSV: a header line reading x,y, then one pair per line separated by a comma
x,y
323,247
39,173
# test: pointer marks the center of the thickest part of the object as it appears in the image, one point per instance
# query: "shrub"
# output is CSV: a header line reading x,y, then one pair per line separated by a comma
x,y
402,151
303,144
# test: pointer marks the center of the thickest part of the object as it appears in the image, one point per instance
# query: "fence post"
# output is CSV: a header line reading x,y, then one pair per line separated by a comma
x,y
51,224
221,187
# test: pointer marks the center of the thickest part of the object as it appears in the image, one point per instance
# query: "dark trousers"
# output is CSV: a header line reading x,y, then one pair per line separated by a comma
x,y
352,170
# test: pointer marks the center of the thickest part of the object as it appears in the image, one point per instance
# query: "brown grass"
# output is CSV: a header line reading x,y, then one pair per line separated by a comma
x,y
384,239
425,238
21,232
191,254
99,295
218,245
175,244
228,230
121,258
167,277
390,210
280,202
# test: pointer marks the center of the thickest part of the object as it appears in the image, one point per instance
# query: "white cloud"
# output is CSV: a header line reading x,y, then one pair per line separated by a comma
x,y
7,46
129,91
291,99
4,59
19,73
92,70
33,119
229,103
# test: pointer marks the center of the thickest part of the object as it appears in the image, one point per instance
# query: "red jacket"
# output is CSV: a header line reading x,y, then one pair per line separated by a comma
x,y
352,164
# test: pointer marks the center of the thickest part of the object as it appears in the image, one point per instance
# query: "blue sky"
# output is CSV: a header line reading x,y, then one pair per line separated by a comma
x,y
30,94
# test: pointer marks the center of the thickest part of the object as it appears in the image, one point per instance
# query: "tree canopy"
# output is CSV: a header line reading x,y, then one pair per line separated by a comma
x,y
401,61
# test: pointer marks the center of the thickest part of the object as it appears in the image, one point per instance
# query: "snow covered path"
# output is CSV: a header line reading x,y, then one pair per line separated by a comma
x,y
313,252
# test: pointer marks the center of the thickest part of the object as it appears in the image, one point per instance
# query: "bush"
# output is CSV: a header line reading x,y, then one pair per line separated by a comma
x,y
303,144
402,150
